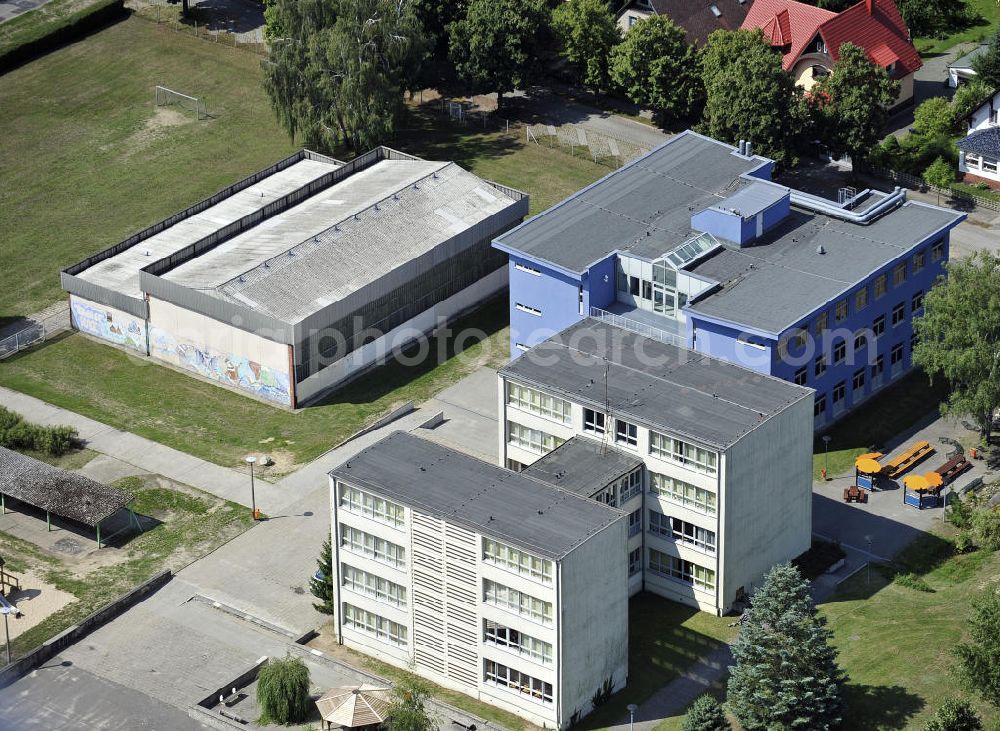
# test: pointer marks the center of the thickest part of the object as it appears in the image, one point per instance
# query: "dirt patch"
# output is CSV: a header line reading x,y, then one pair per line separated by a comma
x,y
162,121
37,600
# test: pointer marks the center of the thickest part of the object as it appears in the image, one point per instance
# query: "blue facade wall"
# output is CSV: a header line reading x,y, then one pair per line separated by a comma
x,y
722,341
601,284
721,224
778,212
553,293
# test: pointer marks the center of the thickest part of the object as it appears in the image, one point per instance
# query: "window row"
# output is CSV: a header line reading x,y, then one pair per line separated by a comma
x,y
685,571
512,639
496,674
534,440
682,493
364,503
372,546
517,560
517,601
982,163
372,585
533,400
861,376
681,531
374,625
681,452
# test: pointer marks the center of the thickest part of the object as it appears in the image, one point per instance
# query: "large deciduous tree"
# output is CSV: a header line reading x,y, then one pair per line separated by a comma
x,y
749,96
987,65
979,658
496,46
586,31
853,103
786,674
338,73
958,337
657,68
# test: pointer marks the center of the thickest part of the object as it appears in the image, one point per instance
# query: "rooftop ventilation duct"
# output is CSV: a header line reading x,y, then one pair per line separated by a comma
x,y
828,208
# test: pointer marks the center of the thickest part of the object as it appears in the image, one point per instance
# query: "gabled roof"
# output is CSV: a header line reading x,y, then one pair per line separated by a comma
x,y
982,142
874,25
696,17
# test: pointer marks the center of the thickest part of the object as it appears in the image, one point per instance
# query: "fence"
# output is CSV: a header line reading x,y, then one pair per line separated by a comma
x,y
917,183
200,24
641,328
599,146
34,333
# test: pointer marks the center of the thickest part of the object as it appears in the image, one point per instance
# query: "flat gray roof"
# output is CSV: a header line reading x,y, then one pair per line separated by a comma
x,y
480,496
583,465
779,279
644,207
671,389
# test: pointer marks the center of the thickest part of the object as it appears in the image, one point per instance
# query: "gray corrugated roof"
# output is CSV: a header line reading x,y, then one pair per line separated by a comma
x,y
781,278
583,465
455,487
644,207
983,141
662,386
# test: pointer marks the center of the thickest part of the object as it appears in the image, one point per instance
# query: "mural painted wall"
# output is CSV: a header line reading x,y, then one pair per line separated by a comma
x,y
230,369
108,323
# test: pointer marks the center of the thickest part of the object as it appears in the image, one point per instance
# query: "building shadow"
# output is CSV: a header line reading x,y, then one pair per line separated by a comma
x,y
875,707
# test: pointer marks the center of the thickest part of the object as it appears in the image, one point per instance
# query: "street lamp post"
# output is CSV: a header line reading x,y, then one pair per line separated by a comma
x,y
632,708
868,540
251,460
826,456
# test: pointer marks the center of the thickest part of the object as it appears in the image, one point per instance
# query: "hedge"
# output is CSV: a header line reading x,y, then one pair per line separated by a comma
x,y
47,36
16,433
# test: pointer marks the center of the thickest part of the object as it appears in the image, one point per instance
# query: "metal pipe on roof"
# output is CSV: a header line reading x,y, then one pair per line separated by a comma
x,y
828,208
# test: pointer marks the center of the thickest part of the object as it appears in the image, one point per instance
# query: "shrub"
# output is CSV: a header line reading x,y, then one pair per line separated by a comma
x,y
706,715
958,512
955,714
986,528
283,691
912,581
963,542
16,433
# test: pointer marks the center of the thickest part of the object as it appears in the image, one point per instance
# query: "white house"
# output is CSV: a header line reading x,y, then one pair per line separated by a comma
x,y
979,151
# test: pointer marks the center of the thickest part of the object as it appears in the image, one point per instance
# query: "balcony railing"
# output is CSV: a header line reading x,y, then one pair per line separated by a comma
x,y
627,323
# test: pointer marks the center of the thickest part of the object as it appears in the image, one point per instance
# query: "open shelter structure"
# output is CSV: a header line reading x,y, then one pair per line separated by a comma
x,y
59,492
923,491
356,707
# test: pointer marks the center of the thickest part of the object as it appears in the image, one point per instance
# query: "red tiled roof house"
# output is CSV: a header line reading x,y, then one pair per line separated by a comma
x,y
810,38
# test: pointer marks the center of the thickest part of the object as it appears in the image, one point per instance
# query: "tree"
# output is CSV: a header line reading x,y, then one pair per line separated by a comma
x,y
496,46
958,336
283,691
706,715
934,17
955,714
979,659
322,587
587,32
969,96
853,103
657,68
436,16
408,711
987,65
339,72
785,674
986,528
749,96
936,116
940,174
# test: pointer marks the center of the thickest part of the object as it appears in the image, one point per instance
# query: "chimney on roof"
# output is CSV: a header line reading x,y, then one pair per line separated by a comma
x,y
870,6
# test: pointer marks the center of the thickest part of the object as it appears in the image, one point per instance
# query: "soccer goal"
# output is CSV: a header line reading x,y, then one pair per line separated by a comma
x,y
164,96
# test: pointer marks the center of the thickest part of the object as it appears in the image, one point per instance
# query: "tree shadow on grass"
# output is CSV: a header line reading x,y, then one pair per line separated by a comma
x,y
428,133
879,707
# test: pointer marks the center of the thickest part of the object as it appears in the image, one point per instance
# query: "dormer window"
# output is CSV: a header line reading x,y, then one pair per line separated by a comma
x,y
819,46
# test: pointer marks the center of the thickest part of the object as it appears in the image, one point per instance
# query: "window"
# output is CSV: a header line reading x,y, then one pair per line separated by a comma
x,y
937,250
514,465
881,286
918,302
878,326
898,314
500,675
593,421
686,571
861,299
681,531
860,340
363,503
819,406
683,453
496,634
682,493
374,625
635,522
913,343
633,286
635,561
526,269
374,547
839,352
899,274
801,376
517,601
530,310
878,368
799,339
372,585
896,356
989,164
608,496
630,485
918,262
821,323
647,289
859,379
531,439
972,160
514,559
820,367
840,311
533,400
626,434
839,392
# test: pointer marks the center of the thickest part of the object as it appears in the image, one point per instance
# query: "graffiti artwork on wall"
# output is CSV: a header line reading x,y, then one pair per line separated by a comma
x,y
116,327
227,368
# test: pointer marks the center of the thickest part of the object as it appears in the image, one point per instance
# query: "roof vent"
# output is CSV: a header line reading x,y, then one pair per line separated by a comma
x,y
267,265
376,207
422,468
820,250
715,11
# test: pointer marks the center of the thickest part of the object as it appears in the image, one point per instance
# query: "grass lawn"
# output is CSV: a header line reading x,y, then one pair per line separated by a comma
x,y
989,18
665,638
39,22
880,418
191,525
